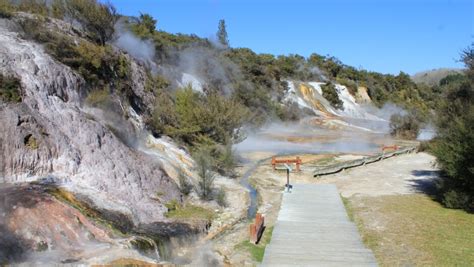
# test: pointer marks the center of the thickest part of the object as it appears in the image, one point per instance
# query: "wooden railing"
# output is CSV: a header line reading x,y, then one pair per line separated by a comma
x,y
394,148
297,161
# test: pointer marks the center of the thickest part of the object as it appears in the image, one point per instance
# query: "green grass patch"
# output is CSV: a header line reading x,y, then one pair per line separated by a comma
x,y
257,251
414,230
347,205
190,212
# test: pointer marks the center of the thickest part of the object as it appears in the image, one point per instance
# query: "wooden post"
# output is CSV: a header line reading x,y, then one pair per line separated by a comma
x,y
256,229
273,163
253,233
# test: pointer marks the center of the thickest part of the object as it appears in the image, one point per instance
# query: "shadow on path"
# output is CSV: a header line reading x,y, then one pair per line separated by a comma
x,y
426,183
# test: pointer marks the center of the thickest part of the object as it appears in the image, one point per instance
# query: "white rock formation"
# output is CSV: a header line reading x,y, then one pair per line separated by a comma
x,y
72,146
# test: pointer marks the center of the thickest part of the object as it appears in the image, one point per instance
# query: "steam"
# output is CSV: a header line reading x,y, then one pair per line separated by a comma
x,y
297,138
318,73
141,50
205,256
200,66
12,247
215,42
426,133
387,110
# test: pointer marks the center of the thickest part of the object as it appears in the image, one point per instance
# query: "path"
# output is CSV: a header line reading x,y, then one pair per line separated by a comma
x,y
313,229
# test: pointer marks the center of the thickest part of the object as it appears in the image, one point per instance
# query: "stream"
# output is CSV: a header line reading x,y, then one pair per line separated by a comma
x,y
253,194
244,181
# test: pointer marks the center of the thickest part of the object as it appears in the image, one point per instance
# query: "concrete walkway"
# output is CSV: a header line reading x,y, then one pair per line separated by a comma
x,y
313,229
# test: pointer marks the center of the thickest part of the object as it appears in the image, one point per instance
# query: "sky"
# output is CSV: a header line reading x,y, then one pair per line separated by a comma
x,y
387,36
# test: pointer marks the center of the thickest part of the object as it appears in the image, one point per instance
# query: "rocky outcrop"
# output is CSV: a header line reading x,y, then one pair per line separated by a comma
x,y
51,135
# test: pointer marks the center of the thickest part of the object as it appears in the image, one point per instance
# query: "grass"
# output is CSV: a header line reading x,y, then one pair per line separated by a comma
x,y
69,198
349,210
414,230
190,212
257,251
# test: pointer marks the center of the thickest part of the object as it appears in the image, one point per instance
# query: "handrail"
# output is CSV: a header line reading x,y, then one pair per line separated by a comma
x,y
335,168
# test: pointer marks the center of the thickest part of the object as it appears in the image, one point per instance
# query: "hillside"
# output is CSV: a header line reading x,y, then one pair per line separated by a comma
x,y
432,77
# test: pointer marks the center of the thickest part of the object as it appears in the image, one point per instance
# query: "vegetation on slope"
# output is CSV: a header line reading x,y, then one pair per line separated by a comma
x,y
330,93
433,77
10,89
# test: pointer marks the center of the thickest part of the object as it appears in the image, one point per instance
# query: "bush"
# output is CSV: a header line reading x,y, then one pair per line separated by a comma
x,y
404,126
185,187
195,118
10,89
456,200
206,177
221,197
98,99
39,7
330,93
6,9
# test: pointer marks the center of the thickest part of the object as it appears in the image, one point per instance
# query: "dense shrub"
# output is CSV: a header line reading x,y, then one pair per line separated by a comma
x,y
404,126
330,93
200,121
454,147
6,9
10,89
198,118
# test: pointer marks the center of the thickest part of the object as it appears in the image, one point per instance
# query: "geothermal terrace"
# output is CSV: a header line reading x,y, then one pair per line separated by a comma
x,y
313,229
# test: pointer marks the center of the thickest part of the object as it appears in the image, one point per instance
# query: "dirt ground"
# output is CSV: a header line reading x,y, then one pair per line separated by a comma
x,y
404,174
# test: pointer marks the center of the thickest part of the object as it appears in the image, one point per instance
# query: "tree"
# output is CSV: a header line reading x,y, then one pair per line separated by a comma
x,y
222,34
454,148
97,18
206,177
148,22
